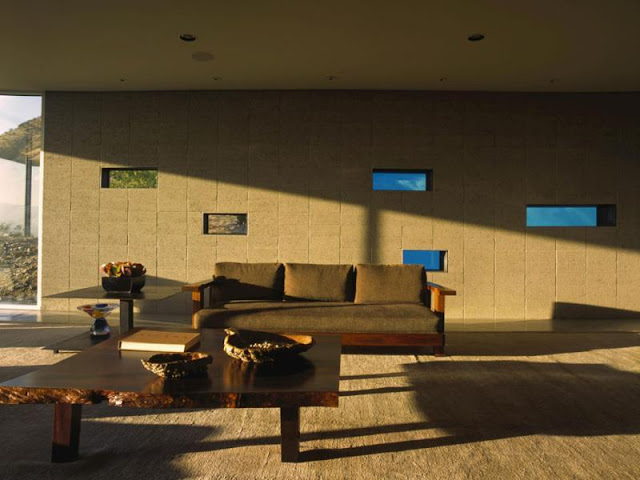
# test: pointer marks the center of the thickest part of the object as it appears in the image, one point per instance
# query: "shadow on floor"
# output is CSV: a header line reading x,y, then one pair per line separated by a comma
x,y
514,344
487,400
468,401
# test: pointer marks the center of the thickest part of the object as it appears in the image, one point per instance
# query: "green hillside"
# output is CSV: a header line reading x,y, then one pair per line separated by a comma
x,y
23,140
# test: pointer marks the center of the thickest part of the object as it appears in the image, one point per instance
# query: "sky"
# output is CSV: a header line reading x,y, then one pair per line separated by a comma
x,y
562,216
16,109
408,181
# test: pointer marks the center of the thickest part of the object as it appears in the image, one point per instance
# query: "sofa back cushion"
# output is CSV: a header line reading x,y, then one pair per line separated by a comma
x,y
329,283
389,283
248,281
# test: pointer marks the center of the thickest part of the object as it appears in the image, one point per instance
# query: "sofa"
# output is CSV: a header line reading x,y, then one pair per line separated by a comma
x,y
364,304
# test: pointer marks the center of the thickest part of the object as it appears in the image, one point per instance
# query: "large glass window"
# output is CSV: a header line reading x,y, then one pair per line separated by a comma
x,y
20,143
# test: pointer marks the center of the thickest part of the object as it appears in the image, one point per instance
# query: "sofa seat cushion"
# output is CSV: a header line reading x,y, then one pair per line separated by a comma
x,y
325,317
328,283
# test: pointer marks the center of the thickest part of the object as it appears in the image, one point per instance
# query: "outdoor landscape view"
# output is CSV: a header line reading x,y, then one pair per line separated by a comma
x,y
20,143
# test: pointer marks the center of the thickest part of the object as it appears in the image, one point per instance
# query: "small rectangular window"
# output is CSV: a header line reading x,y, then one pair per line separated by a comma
x,y
224,223
571,215
402,180
433,260
129,178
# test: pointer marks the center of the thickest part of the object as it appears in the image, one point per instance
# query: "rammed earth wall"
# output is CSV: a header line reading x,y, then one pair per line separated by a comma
x,y
299,163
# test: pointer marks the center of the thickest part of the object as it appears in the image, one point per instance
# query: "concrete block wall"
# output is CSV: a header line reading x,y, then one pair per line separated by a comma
x,y
299,163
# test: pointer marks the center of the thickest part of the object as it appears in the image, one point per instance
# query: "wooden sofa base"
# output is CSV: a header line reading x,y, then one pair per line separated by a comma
x,y
435,340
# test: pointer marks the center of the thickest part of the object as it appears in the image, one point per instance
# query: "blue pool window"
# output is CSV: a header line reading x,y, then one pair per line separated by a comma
x,y
433,260
571,215
401,180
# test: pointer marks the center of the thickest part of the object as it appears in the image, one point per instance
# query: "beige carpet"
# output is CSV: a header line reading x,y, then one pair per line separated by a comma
x,y
501,406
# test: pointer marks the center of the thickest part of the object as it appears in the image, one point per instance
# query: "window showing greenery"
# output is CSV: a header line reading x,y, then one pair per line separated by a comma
x,y
129,178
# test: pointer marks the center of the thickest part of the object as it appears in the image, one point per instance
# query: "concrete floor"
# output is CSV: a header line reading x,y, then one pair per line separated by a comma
x,y
553,325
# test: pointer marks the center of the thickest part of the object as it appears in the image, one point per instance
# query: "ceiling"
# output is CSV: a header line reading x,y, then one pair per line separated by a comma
x,y
540,45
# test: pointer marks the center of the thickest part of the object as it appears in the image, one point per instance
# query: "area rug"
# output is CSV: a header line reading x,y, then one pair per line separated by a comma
x,y
499,406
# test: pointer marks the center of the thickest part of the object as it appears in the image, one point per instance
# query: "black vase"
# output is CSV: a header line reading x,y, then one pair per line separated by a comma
x,y
123,284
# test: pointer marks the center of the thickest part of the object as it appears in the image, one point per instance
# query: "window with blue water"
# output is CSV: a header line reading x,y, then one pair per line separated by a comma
x,y
401,180
571,215
432,260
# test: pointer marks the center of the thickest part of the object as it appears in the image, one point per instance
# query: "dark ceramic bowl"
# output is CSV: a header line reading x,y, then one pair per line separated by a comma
x,y
124,284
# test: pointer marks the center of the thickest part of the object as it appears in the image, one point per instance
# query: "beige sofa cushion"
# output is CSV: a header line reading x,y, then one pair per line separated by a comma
x,y
325,317
389,283
248,281
329,283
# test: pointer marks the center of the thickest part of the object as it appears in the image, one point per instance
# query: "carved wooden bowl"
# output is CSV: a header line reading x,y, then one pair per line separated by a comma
x,y
178,365
262,347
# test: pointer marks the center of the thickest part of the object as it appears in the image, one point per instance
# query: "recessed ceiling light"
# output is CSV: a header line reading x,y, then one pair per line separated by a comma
x,y
188,37
202,56
475,37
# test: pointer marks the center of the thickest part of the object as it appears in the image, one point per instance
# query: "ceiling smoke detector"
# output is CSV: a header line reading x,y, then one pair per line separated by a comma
x,y
475,37
188,37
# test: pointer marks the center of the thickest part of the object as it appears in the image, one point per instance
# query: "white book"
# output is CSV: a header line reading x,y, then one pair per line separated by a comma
x,y
159,341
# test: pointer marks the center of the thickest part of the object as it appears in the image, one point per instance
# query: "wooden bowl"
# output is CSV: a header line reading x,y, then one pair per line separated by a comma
x,y
178,365
261,347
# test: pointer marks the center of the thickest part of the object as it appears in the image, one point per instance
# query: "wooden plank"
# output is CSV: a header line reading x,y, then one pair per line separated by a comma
x,y
198,286
104,374
434,287
390,339
290,434
66,432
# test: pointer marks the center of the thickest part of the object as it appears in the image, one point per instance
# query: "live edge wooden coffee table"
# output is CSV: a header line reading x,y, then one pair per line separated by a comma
x,y
104,374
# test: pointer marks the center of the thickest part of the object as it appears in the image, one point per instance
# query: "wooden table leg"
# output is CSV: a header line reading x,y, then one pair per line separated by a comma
x,y
126,315
290,433
66,432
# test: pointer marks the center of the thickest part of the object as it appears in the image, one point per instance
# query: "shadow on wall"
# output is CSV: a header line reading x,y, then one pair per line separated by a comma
x,y
307,158
324,144
566,311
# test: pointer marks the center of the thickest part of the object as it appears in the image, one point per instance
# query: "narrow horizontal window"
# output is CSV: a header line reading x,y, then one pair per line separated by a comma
x,y
433,260
402,180
571,215
129,178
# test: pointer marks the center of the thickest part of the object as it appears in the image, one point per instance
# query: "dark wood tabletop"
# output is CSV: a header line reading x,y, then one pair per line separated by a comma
x,y
155,288
103,373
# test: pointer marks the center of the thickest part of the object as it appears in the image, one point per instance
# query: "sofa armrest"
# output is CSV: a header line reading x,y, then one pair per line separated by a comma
x,y
197,295
438,294
198,286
